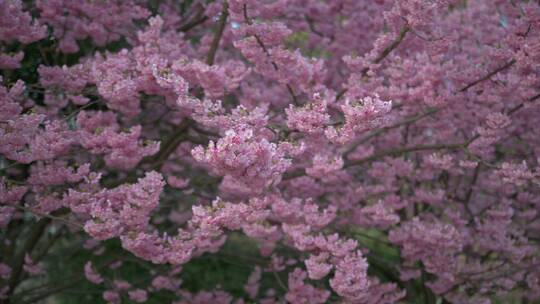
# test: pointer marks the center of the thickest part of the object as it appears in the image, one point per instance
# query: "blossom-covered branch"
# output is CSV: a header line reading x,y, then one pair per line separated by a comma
x,y
292,151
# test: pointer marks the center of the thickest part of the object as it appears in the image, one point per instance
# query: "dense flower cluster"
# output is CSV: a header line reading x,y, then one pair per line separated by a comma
x,y
359,152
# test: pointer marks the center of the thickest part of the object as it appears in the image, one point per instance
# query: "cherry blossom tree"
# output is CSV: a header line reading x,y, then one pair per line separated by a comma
x,y
270,151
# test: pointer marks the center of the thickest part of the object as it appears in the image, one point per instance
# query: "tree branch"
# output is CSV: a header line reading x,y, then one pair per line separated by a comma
x,y
170,145
311,26
487,76
402,33
468,196
219,32
392,152
261,44
400,151
377,132
18,261
199,18
519,106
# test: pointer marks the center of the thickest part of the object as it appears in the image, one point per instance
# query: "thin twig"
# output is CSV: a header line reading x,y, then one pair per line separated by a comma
x,y
188,26
468,196
402,33
400,151
198,19
392,152
311,26
487,76
377,132
50,216
263,47
170,144
519,106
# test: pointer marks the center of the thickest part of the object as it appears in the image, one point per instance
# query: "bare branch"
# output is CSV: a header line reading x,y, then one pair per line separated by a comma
x,y
261,44
219,32
487,76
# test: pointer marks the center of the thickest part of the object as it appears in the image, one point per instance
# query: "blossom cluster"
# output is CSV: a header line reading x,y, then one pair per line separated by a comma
x,y
291,151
